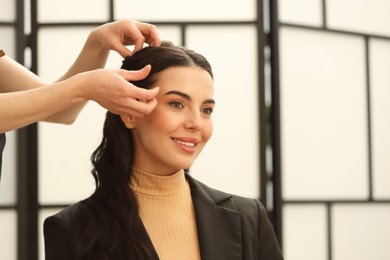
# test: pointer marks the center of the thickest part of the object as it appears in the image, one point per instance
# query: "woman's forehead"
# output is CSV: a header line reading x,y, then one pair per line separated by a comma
x,y
190,80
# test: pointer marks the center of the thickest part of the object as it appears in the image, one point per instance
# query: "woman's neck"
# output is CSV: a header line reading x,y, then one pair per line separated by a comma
x,y
159,171
153,184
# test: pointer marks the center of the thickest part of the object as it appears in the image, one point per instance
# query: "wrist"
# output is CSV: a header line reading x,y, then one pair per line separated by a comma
x,y
80,87
94,42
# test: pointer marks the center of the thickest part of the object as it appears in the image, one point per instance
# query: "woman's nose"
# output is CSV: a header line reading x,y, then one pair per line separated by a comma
x,y
194,121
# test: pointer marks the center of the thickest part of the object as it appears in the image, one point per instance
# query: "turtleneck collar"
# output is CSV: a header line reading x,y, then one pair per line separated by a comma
x,y
156,185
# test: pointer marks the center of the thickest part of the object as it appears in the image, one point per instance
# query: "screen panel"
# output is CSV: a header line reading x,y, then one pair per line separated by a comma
x,y
8,11
323,115
304,12
363,16
64,152
305,232
51,11
380,116
170,33
7,40
361,232
8,231
185,10
58,48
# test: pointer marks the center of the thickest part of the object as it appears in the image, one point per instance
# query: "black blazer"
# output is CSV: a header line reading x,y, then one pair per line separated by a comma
x,y
229,227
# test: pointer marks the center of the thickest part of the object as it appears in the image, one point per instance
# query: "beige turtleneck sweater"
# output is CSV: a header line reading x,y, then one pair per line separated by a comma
x,y
167,212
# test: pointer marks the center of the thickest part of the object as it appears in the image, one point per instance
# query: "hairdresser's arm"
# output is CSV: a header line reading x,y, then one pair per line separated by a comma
x,y
18,109
110,36
25,98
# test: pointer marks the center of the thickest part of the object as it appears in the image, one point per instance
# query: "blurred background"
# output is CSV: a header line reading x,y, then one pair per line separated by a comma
x,y
301,123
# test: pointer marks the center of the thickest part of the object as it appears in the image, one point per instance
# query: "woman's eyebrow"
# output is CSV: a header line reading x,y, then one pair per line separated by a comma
x,y
209,101
186,96
179,93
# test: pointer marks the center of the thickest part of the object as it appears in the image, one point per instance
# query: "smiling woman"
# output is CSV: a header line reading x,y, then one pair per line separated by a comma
x,y
180,125
146,205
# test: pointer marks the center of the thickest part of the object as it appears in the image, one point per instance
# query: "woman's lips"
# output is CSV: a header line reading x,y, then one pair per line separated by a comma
x,y
186,144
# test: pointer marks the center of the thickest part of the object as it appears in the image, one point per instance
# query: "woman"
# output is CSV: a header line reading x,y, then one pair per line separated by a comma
x,y
146,205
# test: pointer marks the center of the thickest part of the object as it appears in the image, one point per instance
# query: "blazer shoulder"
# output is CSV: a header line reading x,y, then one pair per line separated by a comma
x,y
68,213
200,189
56,230
245,205
255,223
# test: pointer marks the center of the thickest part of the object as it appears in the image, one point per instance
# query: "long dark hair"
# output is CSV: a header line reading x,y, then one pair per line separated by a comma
x,y
108,225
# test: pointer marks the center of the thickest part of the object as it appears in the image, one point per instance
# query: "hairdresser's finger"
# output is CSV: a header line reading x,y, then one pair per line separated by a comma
x,y
132,35
152,37
138,43
130,107
136,36
135,74
145,108
143,95
151,105
122,50
140,108
146,95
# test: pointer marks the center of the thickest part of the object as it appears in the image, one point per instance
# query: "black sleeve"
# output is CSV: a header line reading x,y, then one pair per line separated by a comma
x,y
268,245
56,234
2,144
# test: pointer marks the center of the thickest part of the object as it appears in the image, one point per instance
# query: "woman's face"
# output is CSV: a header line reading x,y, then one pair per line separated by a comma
x,y
173,135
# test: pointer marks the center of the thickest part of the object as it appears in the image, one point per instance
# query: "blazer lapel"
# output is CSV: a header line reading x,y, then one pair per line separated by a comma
x,y
145,236
218,224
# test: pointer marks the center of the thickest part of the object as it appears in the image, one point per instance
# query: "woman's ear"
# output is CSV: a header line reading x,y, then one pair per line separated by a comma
x,y
128,121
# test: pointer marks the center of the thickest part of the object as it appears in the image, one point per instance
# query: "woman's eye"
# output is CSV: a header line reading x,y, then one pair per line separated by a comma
x,y
208,110
176,104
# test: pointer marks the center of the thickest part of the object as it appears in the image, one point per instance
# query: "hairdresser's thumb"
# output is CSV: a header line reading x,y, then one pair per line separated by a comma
x,y
135,75
144,72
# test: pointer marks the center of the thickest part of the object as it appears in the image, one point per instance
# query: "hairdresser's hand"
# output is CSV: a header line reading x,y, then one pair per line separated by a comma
x,y
111,89
117,35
